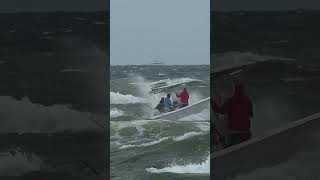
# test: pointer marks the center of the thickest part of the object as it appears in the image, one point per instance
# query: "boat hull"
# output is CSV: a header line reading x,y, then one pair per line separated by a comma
x,y
185,111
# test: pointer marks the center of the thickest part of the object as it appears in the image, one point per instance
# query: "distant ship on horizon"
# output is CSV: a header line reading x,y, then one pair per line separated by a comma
x,y
158,62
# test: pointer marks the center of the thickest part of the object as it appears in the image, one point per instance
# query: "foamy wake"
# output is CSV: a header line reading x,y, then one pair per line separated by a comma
x,y
18,163
114,113
117,98
24,116
192,168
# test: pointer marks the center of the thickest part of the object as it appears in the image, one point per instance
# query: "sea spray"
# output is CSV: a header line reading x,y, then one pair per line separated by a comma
x,y
191,168
114,113
118,98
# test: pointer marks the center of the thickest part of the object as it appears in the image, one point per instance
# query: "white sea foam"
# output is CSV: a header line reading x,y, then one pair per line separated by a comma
x,y
175,138
177,80
114,113
191,168
203,126
187,136
138,124
118,98
195,96
144,144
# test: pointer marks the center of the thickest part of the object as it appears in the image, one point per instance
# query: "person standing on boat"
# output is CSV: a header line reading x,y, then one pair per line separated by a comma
x,y
168,103
184,97
239,112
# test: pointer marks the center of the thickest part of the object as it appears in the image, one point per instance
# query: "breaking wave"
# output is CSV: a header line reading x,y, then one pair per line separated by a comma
x,y
192,168
114,113
117,98
187,136
177,80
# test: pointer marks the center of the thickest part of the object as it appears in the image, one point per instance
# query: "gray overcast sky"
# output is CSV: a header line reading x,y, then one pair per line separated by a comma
x,y
230,5
176,30
52,5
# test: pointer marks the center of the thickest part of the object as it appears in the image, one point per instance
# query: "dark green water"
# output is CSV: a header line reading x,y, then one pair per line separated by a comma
x,y
157,149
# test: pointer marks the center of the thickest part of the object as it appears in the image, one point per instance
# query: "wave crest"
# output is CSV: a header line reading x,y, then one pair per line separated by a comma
x,y
114,113
118,98
192,168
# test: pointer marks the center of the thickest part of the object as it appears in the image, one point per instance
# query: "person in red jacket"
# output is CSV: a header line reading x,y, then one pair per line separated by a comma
x,y
239,112
184,97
